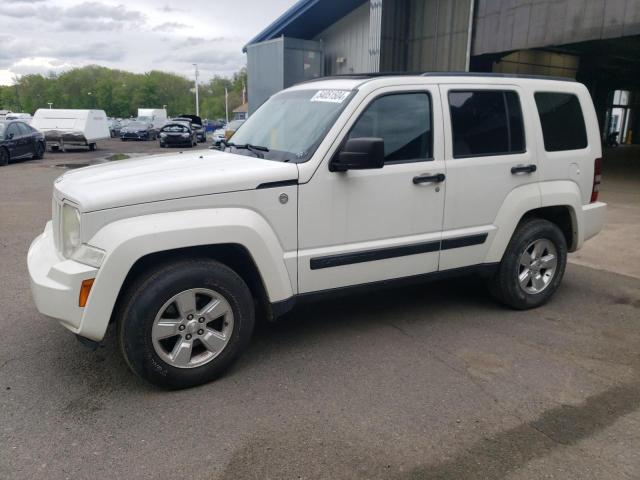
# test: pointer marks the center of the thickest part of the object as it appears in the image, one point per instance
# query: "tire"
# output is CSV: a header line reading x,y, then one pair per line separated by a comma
x,y
149,296
39,151
539,283
92,147
4,157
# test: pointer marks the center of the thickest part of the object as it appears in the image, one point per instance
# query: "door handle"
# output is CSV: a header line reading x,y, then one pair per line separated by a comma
x,y
437,178
523,169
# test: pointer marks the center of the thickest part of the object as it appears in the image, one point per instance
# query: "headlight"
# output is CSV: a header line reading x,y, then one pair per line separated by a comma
x,y
70,230
163,135
185,135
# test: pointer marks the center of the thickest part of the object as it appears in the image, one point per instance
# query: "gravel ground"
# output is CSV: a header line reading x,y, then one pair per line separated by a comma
x,y
430,382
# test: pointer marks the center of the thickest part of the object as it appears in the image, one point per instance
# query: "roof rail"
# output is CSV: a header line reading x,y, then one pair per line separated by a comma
x,y
497,75
369,76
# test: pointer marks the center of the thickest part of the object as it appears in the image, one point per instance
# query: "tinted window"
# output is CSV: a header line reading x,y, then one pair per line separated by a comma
x,y
562,121
23,128
486,123
403,121
12,129
175,128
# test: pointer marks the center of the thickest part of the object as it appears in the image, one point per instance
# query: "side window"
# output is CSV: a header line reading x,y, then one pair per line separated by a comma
x,y
562,121
486,122
403,121
23,128
12,129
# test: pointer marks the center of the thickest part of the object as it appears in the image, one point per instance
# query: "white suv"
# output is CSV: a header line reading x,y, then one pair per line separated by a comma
x,y
331,184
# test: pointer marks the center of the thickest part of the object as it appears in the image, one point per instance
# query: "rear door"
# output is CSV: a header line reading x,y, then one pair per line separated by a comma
x,y
489,153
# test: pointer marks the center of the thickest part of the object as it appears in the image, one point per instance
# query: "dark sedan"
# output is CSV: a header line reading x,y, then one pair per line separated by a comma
x,y
19,140
197,125
177,134
138,131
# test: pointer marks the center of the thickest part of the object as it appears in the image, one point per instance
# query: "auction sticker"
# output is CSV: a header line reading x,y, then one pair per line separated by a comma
x,y
330,96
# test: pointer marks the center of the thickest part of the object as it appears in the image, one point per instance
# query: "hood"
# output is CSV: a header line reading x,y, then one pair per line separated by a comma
x,y
166,177
194,119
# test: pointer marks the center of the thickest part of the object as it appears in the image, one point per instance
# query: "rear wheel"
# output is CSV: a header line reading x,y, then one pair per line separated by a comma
x,y
4,157
39,151
532,267
184,323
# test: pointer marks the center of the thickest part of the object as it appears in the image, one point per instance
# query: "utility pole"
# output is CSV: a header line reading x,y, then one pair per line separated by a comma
x,y
197,99
226,103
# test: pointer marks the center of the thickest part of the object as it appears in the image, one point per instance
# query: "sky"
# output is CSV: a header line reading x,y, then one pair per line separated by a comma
x,y
42,36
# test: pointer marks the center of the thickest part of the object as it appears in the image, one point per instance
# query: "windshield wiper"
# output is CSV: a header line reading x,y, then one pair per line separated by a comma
x,y
255,149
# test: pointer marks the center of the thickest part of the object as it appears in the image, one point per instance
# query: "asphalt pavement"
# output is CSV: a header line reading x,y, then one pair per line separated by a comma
x,y
435,381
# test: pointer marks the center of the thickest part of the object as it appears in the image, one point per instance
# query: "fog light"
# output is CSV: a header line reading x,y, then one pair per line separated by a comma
x,y
85,289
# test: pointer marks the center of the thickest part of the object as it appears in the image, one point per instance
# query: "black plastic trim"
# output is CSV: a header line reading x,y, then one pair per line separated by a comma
x,y
394,252
281,183
460,242
371,255
285,306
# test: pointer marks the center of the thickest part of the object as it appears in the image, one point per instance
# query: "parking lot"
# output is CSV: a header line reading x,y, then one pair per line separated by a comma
x,y
435,381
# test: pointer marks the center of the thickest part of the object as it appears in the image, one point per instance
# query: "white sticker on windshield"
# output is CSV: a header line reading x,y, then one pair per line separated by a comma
x,y
330,96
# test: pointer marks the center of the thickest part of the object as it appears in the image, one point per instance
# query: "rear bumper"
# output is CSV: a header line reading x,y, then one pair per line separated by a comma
x,y
593,218
56,281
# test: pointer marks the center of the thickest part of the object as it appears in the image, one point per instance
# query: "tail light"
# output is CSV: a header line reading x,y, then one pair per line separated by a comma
x,y
597,178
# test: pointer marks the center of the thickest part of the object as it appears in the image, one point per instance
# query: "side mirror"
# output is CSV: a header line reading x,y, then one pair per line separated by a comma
x,y
10,136
359,154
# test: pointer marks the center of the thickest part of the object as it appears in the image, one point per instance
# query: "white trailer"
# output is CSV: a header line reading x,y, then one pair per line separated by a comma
x,y
67,127
157,117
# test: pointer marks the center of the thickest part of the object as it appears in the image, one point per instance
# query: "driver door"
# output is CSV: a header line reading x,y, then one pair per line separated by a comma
x,y
363,226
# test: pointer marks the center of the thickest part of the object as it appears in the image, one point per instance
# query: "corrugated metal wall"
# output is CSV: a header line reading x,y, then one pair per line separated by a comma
x,y
346,43
504,25
425,35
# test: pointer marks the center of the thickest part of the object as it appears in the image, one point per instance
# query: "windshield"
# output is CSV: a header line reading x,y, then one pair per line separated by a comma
x,y
144,119
137,125
2,128
291,124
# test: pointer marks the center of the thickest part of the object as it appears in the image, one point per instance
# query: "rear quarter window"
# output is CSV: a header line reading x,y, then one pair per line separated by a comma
x,y
562,121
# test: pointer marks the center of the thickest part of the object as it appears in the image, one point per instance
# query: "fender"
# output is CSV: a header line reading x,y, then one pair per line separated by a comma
x,y
530,197
519,201
566,193
128,240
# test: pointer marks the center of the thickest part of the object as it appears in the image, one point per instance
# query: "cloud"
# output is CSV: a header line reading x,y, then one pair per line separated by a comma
x,y
169,27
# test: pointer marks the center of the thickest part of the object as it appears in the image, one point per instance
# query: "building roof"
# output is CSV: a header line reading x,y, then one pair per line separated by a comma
x,y
306,19
244,108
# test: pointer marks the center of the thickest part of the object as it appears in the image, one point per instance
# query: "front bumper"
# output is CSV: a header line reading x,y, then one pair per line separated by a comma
x,y
56,281
593,217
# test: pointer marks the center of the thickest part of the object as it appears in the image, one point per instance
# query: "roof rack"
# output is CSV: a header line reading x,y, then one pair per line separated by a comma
x,y
370,76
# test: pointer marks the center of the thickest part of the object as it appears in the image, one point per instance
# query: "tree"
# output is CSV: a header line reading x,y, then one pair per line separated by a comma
x,y
121,93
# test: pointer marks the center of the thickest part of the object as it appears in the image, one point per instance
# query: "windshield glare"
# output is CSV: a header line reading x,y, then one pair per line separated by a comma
x,y
2,127
291,124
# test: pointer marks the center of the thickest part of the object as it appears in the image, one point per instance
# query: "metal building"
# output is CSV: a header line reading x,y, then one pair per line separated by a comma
x,y
595,41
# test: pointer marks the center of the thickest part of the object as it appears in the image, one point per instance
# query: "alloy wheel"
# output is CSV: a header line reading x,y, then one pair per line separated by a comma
x,y
538,265
192,328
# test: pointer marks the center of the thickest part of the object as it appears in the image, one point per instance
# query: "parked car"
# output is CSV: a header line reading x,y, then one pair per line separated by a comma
x,y
329,186
138,131
176,134
115,126
71,127
232,127
19,140
24,117
197,125
219,136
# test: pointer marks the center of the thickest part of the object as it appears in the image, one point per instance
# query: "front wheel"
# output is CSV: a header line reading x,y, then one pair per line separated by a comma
x,y
532,266
184,323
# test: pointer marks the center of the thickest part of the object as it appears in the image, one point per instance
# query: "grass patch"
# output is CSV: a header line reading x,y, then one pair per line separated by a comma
x,y
118,156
